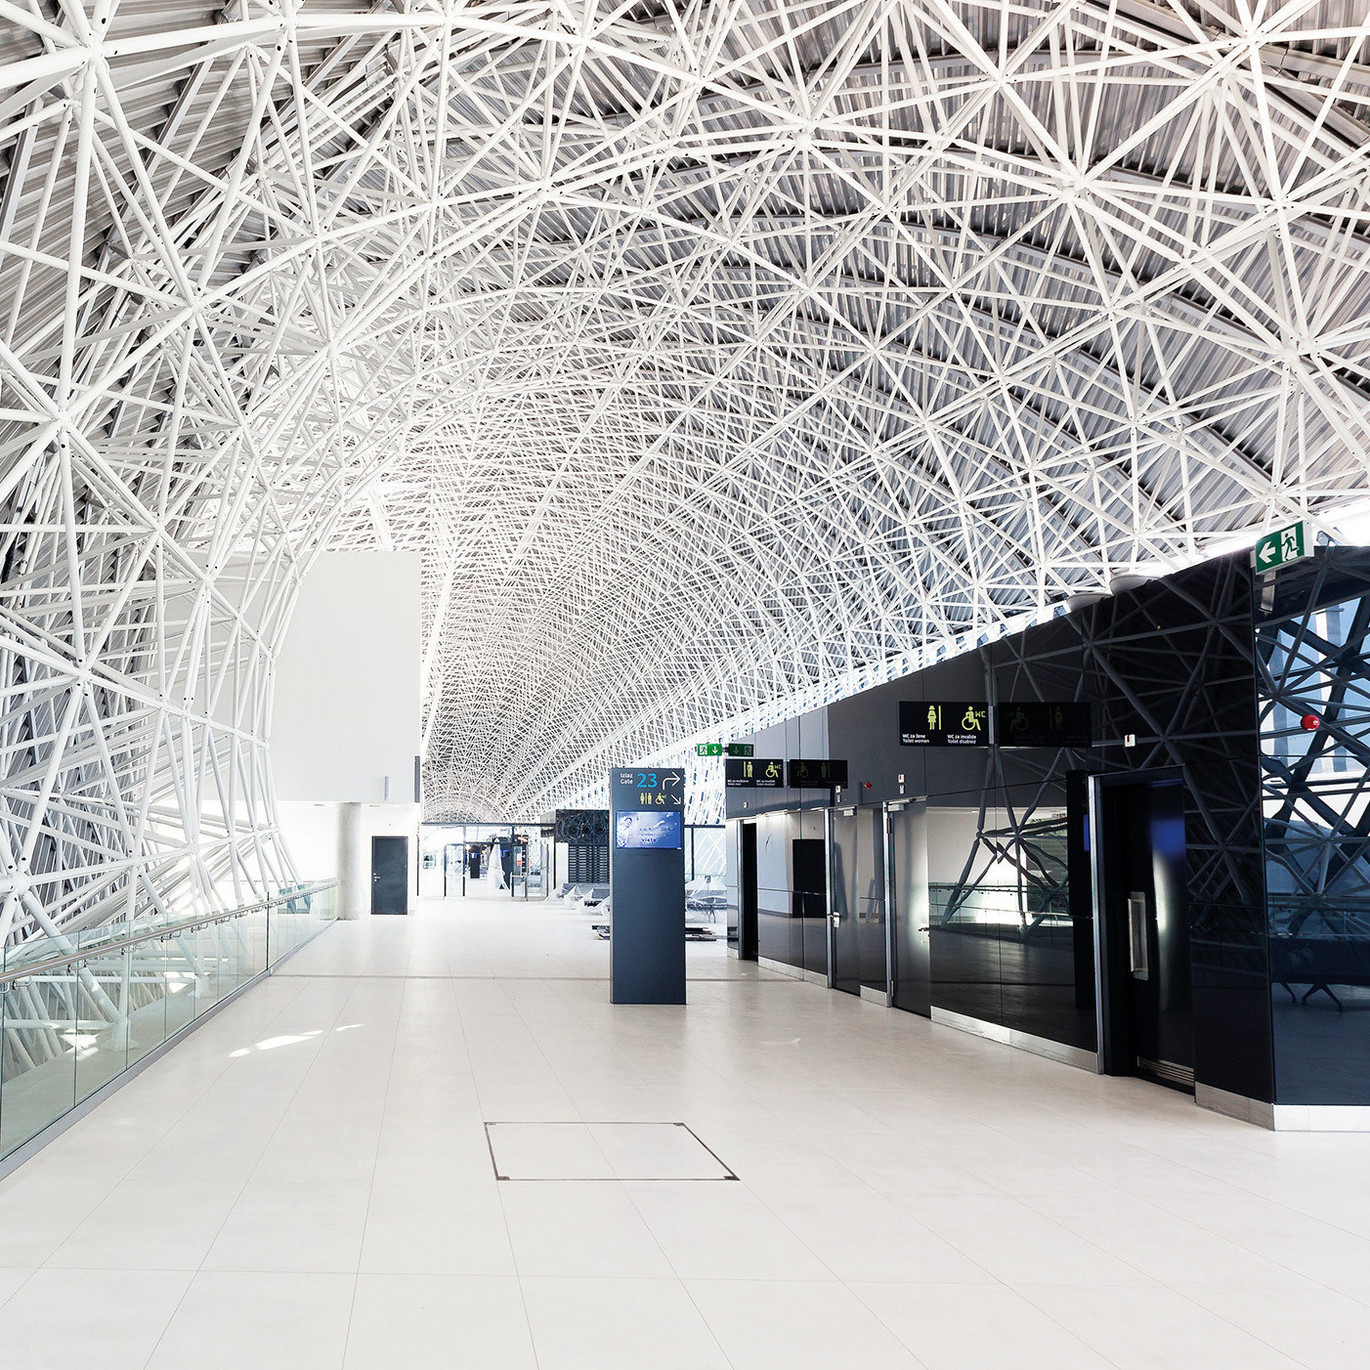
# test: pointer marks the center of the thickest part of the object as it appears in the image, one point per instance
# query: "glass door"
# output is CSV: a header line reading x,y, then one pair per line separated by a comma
x,y
857,851
906,874
454,867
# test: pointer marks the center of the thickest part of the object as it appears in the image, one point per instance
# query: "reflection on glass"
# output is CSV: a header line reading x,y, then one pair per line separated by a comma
x,y
79,1010
1002,941
1315,750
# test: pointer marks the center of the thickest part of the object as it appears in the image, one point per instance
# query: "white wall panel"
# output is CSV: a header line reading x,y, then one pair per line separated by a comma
x,y
347,681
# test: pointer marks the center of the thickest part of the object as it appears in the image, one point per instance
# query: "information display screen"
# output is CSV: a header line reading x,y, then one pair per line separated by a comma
x,y
642,831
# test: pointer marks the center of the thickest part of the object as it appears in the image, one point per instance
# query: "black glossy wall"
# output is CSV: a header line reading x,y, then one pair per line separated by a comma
x,y
1171,663
1312,638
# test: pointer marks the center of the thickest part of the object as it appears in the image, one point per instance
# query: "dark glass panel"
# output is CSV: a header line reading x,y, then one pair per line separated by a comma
x,y
1311,646
858,899
968,904
776,930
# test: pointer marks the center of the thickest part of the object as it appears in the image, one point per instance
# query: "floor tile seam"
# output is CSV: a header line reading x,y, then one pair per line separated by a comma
x,y
1250,1191
1298,1213
883,1198
375,1167
627,1186
248,1178
648,1085
171,1317
351,1308
504,1213
551,1069
893,1333
23,1284
122,1178
1199,1227
1166,1159
902,1206
556,1076
704,1319
1071,1333
83,1125
675,1273
1218,1234
1148,1280
1246,1331
480,1114
698,1056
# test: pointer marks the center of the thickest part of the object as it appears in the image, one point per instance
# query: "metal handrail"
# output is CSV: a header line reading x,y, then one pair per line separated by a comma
x,y
8,977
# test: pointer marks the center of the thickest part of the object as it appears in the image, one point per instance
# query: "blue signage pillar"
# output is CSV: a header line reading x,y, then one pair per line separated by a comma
x,y
647,883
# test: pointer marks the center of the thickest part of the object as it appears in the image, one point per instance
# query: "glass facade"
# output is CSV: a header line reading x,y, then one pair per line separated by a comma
x,y
1314,694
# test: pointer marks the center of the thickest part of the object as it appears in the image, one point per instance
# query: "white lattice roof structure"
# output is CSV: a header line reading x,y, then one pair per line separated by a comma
x,y
710,352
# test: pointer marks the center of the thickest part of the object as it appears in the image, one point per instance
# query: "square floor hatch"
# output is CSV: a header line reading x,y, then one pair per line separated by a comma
x,y
601,1151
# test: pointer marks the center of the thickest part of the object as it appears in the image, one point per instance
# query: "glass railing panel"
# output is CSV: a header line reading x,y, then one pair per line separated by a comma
x,y
38,1077
147,998
228,958
70,1026
204,944
100,985
179,962
260,936
283,932
244,946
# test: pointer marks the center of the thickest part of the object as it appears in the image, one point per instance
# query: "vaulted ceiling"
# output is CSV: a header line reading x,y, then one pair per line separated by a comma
x,y
707,351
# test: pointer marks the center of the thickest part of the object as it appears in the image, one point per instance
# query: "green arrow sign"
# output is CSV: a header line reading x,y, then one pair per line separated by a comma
x,y
708,749
1281,547
740,749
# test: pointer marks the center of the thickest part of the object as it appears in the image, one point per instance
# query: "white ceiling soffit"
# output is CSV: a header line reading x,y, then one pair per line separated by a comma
x,y
707,352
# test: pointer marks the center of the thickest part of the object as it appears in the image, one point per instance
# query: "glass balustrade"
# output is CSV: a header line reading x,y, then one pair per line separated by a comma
x,y
78,1010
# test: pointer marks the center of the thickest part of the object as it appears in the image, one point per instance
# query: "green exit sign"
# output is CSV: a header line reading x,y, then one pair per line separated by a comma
x,y
1281,547
740,749
708,749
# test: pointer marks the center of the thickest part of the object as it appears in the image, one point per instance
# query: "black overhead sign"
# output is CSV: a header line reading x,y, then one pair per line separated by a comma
x,y
1043,725
940,723
817,775
762,773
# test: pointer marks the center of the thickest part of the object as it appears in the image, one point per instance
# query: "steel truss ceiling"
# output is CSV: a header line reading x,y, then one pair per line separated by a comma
x,y
707,351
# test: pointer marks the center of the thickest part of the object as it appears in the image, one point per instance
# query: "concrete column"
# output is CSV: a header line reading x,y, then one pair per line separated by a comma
x,y
353,868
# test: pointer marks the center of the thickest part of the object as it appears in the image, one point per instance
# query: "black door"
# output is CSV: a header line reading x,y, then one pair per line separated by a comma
x,y
746,895
389,875
1149,1013
907,857
809,896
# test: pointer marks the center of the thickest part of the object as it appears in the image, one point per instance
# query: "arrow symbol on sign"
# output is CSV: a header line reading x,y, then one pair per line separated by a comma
x,y
1266,552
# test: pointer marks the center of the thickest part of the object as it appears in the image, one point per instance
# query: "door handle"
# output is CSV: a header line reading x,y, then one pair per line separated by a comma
x,y
836,918
1136,937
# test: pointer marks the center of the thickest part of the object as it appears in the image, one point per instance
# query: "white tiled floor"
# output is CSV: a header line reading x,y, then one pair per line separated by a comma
x,y
601,1151
306,1182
